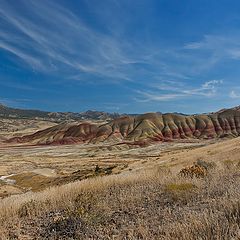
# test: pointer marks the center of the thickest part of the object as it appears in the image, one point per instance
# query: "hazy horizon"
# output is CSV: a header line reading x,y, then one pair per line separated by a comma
x,y
118,112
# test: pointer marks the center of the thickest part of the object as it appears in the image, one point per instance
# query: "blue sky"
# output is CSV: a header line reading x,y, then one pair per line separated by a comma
x,y
129,56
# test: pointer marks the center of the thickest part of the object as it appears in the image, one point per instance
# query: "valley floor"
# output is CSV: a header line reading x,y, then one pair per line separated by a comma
x,y
34,168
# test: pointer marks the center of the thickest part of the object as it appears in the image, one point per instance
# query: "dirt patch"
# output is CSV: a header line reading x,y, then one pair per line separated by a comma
x,y
47,172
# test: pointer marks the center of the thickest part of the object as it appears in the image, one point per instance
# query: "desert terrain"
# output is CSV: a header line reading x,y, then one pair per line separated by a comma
x,y
144,195
115,179
119,120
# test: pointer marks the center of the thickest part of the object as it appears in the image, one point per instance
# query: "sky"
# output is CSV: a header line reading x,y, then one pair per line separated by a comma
x,y
127,56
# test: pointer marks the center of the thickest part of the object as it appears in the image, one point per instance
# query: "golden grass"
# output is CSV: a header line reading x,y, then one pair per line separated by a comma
x,y
150,204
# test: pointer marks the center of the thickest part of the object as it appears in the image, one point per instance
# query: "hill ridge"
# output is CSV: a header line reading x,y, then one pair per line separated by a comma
x,y
9,112
144,128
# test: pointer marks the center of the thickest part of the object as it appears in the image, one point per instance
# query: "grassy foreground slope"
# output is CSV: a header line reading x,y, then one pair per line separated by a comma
x,y
151,203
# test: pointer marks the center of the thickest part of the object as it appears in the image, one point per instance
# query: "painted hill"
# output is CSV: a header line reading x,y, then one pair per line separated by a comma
x,y
146,128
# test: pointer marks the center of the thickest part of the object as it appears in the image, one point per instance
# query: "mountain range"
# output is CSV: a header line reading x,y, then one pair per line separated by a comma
x,y
8,112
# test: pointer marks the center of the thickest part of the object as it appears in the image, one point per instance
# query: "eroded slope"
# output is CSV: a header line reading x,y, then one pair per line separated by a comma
x,y
140,129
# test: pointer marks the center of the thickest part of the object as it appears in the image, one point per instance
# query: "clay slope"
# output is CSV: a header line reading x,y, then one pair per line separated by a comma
x,y
148,127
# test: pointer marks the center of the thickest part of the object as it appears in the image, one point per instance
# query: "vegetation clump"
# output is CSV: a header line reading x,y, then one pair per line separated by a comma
x,y
193,171
199,169
180,186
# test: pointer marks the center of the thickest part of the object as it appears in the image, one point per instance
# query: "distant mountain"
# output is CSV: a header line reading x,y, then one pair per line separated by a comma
x,y
141,129
8,112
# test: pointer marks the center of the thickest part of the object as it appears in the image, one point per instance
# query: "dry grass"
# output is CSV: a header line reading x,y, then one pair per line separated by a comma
x,y
150,204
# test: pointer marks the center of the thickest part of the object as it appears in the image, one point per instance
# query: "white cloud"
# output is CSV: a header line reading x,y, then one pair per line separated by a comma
x,y
52,39
207,89
211,84
234,95
222,47
150,96
34,62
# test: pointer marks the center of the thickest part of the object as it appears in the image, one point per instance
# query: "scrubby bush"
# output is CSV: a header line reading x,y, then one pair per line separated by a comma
x,y
193,171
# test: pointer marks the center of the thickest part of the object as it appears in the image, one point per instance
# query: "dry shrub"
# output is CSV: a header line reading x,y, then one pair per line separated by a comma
x,y
199,169
193,171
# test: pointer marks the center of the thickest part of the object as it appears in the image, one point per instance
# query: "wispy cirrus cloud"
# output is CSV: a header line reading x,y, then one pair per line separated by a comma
x,y
234,95
207,89
219,46
56,40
